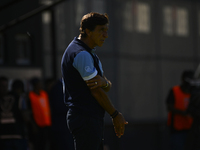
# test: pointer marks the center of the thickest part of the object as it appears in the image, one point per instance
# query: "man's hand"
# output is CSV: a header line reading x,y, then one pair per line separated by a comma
x,y
119,124
96,82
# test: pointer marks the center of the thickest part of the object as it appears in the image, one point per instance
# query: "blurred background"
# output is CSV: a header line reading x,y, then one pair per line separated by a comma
x,y
151,42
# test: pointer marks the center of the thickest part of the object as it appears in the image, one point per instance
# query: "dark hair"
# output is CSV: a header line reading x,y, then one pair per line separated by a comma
x,y
187,74
17,84
91,20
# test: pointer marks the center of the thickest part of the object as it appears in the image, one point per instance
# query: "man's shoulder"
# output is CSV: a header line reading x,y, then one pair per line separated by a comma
x,y
82,54
82,57
74,44
75,48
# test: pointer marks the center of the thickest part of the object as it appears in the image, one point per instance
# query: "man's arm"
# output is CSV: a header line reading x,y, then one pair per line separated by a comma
x,y
99,81
83,62
118,121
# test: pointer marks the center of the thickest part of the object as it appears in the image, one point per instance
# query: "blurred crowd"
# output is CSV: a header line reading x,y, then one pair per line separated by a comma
x,y
33,115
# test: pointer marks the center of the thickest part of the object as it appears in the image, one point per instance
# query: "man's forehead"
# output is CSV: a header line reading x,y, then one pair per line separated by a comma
x,y
102,26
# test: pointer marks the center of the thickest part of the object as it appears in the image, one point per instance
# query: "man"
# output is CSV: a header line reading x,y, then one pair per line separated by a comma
x,y
12,117
84,81
179,120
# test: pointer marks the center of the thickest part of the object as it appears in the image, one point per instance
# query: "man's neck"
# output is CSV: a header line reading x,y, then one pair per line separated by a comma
x,y
86,41
37,91
185,88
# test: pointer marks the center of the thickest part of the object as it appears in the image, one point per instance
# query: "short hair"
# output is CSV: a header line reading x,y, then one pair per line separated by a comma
x,y
17,83
91,20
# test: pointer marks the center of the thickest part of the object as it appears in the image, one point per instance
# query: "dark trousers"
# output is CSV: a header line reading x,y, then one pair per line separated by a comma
x,y
62,140
178,140
87,131
13,144
193,139
41,139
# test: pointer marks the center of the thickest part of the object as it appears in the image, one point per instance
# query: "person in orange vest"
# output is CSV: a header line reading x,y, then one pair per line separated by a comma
x,y
39,102
179,121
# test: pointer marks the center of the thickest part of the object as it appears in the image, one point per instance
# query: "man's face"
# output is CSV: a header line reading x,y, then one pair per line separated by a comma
x,y
98,35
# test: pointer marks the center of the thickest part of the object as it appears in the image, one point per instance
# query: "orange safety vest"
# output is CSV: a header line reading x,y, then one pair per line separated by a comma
x,y
41,108
181,102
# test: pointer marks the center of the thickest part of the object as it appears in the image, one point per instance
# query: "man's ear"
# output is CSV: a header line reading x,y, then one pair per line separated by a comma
x,y
88,32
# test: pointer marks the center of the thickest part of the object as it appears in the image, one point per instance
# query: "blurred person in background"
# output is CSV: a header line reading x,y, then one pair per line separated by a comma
x,y
61,137
39,102
193,140
13,134
179,120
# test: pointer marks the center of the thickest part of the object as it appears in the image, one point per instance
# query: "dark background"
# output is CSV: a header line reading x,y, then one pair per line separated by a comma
x,y
142,63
